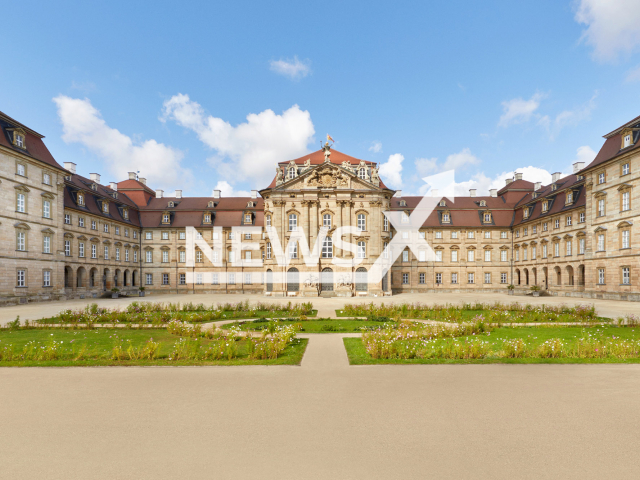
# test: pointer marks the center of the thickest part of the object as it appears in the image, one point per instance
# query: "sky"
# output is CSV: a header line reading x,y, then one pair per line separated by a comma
x,y
203,96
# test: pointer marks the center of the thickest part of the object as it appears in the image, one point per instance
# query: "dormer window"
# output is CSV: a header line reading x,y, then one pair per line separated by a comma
x,y
362,173
525,212
18,139
247,218
105,207
292,172
443,203
403,203
206,218
405,217
171,205
80,199
94,186
569,198
545,206
210,204
483,203
486,217
166,218
125,215
627,140
554,187
446,217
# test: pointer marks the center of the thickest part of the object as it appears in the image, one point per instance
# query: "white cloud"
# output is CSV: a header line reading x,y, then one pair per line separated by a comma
x,y
376,147
585,154
292,68
158,163
250,150
568,118
518,110
455,161
391,171
633,75
227,190
612,26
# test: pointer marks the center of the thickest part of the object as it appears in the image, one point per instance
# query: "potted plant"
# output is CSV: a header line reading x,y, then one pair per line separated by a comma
x,y
536,290
511,288
114,292
141,293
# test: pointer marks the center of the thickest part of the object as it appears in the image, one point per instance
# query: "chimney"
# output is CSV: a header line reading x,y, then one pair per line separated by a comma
x,y
216,194
132,175
142,180
95,177
537,186
159,193
435,192
518,176
70,166
493,192
472,192
114,186
555,177
178,193
254,193
398,193
576,166
507,181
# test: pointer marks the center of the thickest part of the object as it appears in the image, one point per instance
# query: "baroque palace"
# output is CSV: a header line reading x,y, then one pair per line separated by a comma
x,y
67,236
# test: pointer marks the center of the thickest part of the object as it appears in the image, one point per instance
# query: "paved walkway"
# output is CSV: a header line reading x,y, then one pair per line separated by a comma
x,y
326,306
322,420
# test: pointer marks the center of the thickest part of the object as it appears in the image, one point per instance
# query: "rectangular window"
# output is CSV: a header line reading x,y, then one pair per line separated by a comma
x,y
487,234
21,243
454,278
625,201
46,209
67,248
503,278
247,236
534,252
557,223
601,178
526,231
118,254
293,223
454,235
582,217
487,278
22,278
438,278
199,256
165,256
438,255
148,235
362,222
422,255
135,255
625,169
386,224
556,249
544,251
46,179
232,279
517,255
405,256
626,276
503,255
165,279
471,234
438,234
471,256
214,279
268,250
21,170
67,219
46,278
545,227
93,225
487,255
421,278
535,229
524,253
183,279
149,277
601,209
471,278
117,230
601,242
106,253
504,234
46,244
569,247
165,235
135,234
126,255
581,245
81,221
182,256
405,279
106,228
293,250
149,255
247,279
198,279
182,235
569,220
454,255
94,251
625,239
601,277
385,250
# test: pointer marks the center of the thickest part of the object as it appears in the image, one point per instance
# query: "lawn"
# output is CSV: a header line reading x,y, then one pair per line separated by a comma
x,y
324,325
95,347
532,336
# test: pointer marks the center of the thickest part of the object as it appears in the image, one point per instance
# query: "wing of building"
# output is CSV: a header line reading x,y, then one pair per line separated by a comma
x,y
70,236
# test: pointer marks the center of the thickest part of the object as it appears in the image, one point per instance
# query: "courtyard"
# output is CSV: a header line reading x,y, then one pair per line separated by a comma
x,y
323,418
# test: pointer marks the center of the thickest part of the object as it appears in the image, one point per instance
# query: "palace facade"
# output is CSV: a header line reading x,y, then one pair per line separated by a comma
x,y
68,236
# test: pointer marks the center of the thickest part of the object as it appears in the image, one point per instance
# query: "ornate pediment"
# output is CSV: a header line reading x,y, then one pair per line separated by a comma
x,y
327,176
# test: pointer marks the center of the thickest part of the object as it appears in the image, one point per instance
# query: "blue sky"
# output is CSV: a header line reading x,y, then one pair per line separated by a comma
x,y
203,95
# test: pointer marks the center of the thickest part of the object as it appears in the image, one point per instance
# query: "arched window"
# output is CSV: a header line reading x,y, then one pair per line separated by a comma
x,y
292,172
362,222
326,220
362,250
327,248
362,173
293,222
